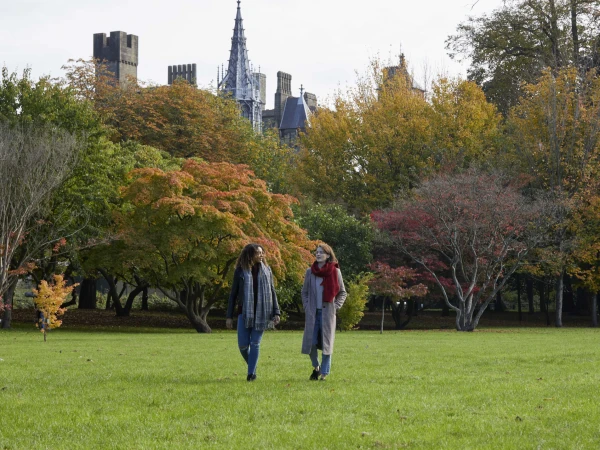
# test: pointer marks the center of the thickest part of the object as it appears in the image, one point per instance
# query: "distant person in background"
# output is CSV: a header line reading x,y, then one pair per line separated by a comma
x,y
253,296
323,294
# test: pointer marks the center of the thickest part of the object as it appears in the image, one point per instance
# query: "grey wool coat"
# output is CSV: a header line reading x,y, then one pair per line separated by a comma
x,y
309,301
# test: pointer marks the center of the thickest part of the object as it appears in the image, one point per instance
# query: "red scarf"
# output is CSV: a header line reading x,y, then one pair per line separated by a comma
x,y
330,284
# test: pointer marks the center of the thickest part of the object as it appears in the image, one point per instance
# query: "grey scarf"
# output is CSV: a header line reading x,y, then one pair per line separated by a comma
x,y
261,318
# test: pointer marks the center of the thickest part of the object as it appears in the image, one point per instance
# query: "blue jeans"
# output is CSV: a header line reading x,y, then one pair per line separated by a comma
x,y
314,356
249,344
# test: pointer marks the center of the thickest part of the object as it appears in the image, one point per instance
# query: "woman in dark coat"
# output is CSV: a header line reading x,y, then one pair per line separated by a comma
x,y
253,292
323,294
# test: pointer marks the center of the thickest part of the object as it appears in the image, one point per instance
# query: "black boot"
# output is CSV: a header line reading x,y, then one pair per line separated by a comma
x,y
315,374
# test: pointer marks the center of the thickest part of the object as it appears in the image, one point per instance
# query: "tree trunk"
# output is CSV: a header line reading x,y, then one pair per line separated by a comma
x,y
540,286
575,34
518,277
559,299
582,304
87,294
529,289
595,309
73,300
555,35
8,304
547,303
194,311
382,315
398,309
568,295
200,325
113,296
145,299
468,324
445,309
132,295
499,304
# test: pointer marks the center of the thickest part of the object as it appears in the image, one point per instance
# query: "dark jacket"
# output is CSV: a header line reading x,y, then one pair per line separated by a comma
x,y
236,297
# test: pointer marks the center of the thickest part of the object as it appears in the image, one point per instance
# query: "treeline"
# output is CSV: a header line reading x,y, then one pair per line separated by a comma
x,y
450,194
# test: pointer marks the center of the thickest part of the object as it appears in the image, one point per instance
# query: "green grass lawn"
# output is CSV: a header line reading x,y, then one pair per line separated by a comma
x,y
496,389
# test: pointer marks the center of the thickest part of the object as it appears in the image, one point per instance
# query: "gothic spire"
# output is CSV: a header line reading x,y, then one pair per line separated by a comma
x,y
238,80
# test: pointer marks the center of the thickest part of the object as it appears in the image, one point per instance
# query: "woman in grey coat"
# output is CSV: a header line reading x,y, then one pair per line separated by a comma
x,y
323,294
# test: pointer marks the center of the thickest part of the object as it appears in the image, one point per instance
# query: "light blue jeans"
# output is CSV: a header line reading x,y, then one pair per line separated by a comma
x,y
249,344
314,356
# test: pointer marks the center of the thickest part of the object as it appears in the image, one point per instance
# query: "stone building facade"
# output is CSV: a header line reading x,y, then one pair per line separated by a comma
x,y
249,90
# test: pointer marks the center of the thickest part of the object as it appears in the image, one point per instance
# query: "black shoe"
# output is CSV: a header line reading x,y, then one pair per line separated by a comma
x,y
315,375
251,377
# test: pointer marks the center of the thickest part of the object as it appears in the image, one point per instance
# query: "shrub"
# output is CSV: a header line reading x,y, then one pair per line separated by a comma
x,y
350,314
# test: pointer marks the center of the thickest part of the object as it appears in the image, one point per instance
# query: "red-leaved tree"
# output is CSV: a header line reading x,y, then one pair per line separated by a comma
x,y
396,283
474,228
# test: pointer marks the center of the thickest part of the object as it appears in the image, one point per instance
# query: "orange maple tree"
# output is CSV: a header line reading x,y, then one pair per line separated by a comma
x,y
183,230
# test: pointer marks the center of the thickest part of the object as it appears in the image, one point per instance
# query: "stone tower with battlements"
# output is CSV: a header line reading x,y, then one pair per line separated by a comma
x,y
284,90
120,52
239,81
186,72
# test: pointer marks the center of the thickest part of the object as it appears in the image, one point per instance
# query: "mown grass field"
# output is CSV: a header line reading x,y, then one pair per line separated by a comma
x,y
492,389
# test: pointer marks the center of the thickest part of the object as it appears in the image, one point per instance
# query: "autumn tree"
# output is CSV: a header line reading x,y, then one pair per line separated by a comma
x,y
382,137
48,300
466,129
395,283
370,145
180,119
183,230
96,250
271,161
555,131
584,225
474,226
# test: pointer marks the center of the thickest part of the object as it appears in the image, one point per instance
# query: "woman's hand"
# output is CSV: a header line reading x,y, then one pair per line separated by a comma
x,y
276,320
229,324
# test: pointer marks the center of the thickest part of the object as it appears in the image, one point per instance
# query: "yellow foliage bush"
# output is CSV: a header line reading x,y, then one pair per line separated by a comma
x,y
351,312
48,300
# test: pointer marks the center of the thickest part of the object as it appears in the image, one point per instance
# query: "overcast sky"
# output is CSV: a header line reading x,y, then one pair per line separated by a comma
x,y
321,43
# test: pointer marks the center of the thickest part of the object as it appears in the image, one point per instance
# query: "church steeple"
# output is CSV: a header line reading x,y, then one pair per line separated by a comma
x,y
239,81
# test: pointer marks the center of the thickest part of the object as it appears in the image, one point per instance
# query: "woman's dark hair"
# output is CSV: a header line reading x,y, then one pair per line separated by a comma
x,y
246,258
327,249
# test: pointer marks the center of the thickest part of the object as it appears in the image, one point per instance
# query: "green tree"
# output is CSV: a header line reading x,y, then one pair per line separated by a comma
x,y
36,106
515,43
351,238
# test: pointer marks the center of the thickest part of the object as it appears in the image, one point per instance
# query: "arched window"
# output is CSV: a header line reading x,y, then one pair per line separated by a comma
x,y
245,111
